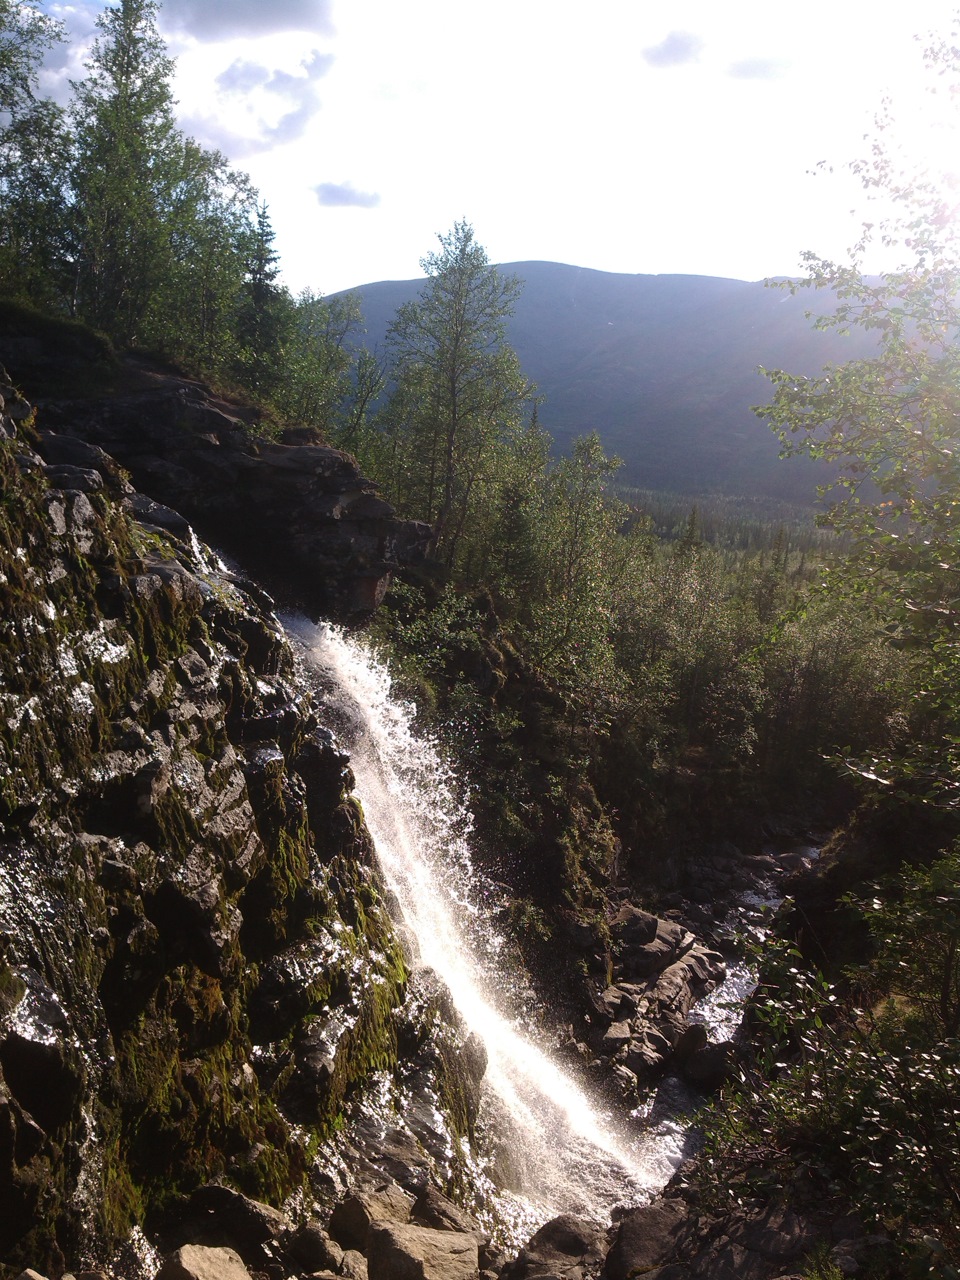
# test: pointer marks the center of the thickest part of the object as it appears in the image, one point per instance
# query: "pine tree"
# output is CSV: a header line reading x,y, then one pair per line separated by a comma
x,y
265,317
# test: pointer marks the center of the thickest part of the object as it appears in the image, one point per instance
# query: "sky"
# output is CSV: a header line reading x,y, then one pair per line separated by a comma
x,y
636,136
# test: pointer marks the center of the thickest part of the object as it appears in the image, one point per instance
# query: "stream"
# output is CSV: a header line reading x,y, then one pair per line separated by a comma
x,y
568,1154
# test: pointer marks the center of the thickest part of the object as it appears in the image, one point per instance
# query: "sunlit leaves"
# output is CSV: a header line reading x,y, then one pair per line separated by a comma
x,y
889,425
838,1100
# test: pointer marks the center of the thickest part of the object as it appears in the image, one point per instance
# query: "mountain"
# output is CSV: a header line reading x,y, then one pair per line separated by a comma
x,y
664,367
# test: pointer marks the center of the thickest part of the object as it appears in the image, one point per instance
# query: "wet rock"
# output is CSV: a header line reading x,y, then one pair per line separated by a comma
x,y
79,478
406,1251
474,1058
148,512
647,1238
351,1218
679,986
433,1209
197,1262
298,512
38,1056
710,1067
322,767
284,993
565,1246
67,451
624,1082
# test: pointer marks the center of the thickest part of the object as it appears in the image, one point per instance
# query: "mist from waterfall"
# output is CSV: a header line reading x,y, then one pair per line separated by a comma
x,y
568,1157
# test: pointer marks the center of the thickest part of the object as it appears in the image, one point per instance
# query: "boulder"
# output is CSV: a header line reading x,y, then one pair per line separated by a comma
x,y
351,1218
432,1209
235,1219
774,1233
633,927
616,1036
354,1265
196,1262
647,1238
314,1250
564,1246
406,1251
709,1067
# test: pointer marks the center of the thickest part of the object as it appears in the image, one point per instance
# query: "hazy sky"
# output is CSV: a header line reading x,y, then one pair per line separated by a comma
x,y
626,135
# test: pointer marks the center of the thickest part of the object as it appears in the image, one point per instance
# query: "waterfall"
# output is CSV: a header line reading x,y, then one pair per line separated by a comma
x,y
572,1158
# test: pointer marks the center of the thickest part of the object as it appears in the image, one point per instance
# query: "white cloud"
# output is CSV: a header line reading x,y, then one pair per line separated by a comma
x,y
345,195
677,48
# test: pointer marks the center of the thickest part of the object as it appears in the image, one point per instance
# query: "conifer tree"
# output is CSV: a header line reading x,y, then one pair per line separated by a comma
x,y
266,310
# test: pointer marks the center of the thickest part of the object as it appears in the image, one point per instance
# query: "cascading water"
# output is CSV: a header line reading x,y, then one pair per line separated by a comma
x,y
570,1159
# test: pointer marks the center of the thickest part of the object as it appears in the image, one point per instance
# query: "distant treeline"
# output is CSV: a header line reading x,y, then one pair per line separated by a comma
x,y
741,523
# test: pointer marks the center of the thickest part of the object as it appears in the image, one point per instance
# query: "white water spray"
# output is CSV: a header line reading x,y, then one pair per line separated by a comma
x,y
568,1158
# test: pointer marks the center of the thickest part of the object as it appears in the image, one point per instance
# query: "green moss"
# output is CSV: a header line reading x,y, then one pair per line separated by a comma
x,y
12,989
179,1104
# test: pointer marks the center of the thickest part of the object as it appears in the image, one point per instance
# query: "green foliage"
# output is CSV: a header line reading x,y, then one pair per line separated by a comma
x,y
323,384
26,33
577,552
856,1103
917,933
264,311
459,394
32,154
887,423
128,157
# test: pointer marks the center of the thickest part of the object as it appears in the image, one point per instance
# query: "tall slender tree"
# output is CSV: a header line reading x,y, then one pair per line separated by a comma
x,y
459,390
265,317
129,158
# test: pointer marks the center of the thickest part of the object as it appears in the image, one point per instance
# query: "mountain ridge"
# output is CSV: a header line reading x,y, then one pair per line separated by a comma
x,y
664,367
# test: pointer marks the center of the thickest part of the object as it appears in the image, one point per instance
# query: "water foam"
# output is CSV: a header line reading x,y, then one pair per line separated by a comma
x,y
565,1152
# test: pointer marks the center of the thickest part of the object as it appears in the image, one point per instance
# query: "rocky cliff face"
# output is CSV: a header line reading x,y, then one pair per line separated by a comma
x,y
196,969
298,513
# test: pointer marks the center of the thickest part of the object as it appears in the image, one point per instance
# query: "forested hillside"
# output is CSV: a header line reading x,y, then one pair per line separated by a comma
x,y
665,368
